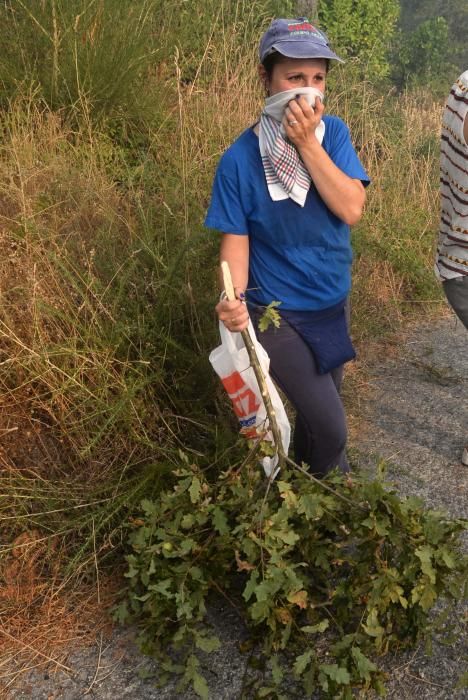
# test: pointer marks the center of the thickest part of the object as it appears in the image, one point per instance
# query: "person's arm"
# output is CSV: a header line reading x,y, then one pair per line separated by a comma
x,y
343,195
235,251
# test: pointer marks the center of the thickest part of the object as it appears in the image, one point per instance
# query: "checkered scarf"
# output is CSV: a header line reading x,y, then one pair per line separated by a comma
x,y
285,173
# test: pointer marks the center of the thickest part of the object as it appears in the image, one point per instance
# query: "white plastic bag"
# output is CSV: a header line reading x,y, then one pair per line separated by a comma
x,y
231,363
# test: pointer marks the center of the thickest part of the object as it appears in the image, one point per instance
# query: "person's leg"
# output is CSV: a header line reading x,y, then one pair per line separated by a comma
x,y
456,291
337,376
320,430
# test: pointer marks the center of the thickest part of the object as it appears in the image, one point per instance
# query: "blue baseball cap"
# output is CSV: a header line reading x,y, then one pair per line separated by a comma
x,y
295,38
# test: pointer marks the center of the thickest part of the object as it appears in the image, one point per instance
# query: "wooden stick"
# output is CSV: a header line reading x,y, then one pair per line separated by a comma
x,y
254,361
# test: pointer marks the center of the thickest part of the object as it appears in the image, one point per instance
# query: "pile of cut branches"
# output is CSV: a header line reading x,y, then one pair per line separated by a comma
x,y
331,578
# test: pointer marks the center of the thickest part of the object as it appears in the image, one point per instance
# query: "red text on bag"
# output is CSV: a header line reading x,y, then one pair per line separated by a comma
x,y
244,400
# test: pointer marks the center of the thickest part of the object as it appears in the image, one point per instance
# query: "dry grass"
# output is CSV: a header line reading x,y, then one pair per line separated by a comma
x,y
42,625
73,420
44,618
59,360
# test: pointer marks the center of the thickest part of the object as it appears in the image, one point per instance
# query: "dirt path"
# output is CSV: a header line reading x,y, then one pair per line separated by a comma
x,y
418,422
418,417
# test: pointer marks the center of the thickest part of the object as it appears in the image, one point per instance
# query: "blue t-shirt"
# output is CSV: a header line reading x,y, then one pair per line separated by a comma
x,y
300,256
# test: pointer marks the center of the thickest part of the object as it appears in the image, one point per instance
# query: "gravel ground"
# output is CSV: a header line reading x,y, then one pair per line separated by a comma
x,y
418,423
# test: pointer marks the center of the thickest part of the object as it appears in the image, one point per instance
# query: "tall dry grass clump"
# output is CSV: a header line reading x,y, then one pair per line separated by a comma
x,y
58,307
71,390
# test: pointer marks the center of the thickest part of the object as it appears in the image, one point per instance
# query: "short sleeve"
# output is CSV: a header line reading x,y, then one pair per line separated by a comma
x,y
226,212
340,149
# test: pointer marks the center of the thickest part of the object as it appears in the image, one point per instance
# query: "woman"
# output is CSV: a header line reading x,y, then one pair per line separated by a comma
x,y
284,197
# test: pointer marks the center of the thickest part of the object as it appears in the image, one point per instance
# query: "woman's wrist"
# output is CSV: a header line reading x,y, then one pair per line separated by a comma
x,y
240,294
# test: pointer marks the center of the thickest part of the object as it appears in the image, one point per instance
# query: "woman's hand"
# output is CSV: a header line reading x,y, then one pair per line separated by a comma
x,y
301,120
235,251
343,195
233,314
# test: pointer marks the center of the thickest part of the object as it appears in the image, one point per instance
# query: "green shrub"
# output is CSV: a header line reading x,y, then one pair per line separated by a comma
x,y
75,50
361,30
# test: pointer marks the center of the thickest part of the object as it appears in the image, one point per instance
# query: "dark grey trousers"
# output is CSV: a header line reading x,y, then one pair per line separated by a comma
x,y
456,291
320,428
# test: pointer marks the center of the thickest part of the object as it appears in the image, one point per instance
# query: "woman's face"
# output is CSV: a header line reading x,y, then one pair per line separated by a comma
x,y
290,73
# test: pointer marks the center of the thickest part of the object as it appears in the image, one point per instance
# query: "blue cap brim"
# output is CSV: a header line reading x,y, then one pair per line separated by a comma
x,y
304,49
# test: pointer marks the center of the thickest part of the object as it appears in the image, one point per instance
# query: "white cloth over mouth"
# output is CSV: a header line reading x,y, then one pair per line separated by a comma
x,y
285,173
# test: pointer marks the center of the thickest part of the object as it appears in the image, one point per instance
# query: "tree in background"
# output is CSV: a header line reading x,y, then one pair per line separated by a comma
x,y
422,56
455,12
430,45
307,8
361,29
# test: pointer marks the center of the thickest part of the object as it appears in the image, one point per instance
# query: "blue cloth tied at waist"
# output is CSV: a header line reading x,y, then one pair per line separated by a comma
x,y
325,332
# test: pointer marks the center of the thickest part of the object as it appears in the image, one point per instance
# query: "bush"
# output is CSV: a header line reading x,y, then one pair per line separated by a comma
x,y
361,30
77,51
